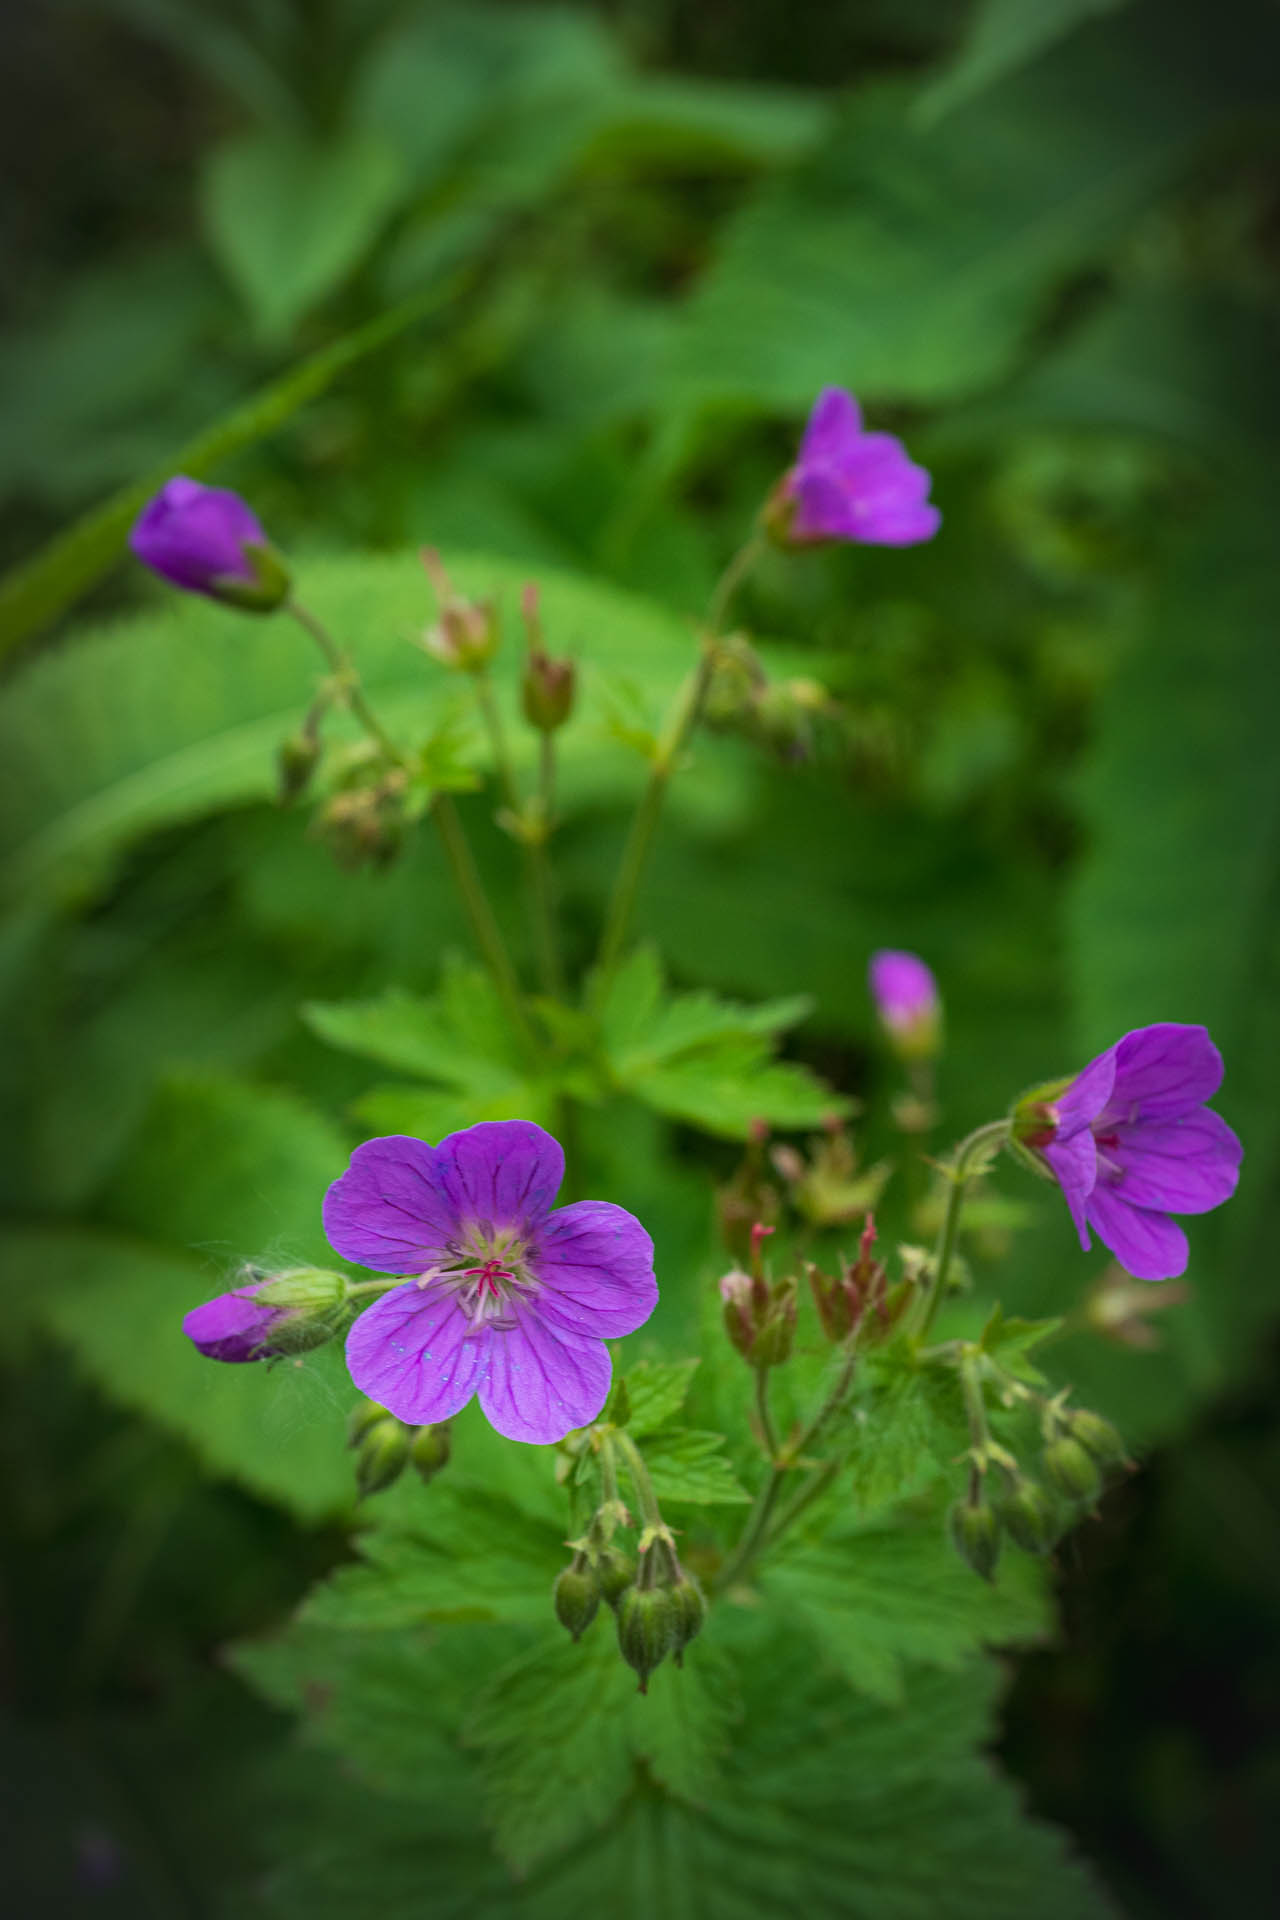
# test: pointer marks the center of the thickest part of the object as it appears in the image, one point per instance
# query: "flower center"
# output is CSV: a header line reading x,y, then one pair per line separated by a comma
x,y
487,1274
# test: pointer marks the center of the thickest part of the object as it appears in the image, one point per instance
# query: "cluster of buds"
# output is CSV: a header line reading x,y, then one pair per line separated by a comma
x,y
466,633
547,685
364,823
759,1314
777,714
827,1188
384,1446
661,1613
858,1300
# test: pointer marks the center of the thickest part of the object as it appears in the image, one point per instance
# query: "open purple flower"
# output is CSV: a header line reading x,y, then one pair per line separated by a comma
x,y
207,540
1130,1141
508,1300
906,997
851,485
235,1326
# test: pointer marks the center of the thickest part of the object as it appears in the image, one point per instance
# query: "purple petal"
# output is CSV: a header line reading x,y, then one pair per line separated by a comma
x,y
538,1383
412,1351
387,1211
1086,1097
1074,1162
500,1173
835,420
1150,1245
1186,1166
233,1327
902,529
878,472
595,1262
823,510
192,535
902,987
1165,1070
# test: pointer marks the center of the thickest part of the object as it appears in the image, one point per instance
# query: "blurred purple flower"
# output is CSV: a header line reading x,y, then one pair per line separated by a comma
x,y
234,1326
207,540
508,1300
851,485
906,997
1130,1141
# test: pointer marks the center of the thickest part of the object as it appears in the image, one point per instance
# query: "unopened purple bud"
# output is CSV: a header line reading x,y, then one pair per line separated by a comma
x,y
207,540
273,1314
235,1326
906,997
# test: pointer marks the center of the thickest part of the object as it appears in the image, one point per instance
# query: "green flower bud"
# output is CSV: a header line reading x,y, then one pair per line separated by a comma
x,y
975,1535
577,1597
615,1572
296,761
688,1611
1072,1470
312,1289
777,1336
429,1450
645,1629
1098,1437
1030,1517
365,1414
382,1454
547,691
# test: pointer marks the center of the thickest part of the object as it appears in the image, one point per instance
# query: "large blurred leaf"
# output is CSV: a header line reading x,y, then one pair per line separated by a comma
x,y
1003,35
912,263
288,217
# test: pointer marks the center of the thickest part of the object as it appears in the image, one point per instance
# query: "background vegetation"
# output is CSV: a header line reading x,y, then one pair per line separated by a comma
x,y
552,287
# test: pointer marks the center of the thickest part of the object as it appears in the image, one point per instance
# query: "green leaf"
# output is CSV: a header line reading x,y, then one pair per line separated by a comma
x,y
903,1434
878,1596
563,1730
1003,36
656,1391
1012,1340
117,1304
690,1467
289,217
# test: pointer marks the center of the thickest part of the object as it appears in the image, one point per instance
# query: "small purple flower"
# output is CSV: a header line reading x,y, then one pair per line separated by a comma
x,y
234,1326
906,997
508,1300
851,485
1130,1140
207,540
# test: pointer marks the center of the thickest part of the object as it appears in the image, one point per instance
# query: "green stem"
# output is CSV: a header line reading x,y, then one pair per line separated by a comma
x,y
492,719
484,926
666,758
968,1157
541,879
348,680
804,1496
753,1535
763,1415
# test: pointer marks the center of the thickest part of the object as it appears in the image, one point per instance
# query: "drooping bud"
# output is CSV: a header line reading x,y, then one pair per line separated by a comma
x,y
1098,1437
784,716
777,1333
737,682
688,1611
645,1629
906,999
208,541
430,1449
1071,1469
296,761
975,1535
745,1301
269,1314
577,1596
1030,1517
467,632
366,825
615,1572
382,1452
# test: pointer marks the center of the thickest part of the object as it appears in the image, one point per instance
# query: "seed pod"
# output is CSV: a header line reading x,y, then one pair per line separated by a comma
x,y
645,1624
1072,1470
1098,1437
615,1572
577,1596
364,1415
381,1456
975,1535
1030,1517
429,1450
688,1611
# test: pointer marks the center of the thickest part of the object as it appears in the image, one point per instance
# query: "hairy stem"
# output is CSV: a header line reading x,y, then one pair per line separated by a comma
x,y
484,925
541,878
763,1415
966,1161
348,680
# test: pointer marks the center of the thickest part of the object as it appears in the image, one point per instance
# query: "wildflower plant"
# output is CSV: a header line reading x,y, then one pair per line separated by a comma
x,y
857,1476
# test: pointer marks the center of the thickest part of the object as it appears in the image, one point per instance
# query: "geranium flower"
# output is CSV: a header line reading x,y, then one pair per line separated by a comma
x,y
851,485
1130,1141
906,998
508,1300
207,540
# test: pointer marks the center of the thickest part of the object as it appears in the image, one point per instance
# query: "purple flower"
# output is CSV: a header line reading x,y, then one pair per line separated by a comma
x,y
1130,1141
206,540
508,1300
234,1326
906,997
851,485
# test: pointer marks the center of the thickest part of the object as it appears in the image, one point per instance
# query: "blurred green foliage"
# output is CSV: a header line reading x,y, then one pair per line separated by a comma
x,y
552,287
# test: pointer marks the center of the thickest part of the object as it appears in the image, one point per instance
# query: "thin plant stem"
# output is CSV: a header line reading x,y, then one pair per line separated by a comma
x,y
655,1532
492,718
804,1496
484,926
966,1161
763,1414
666,758
542,887
348,680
